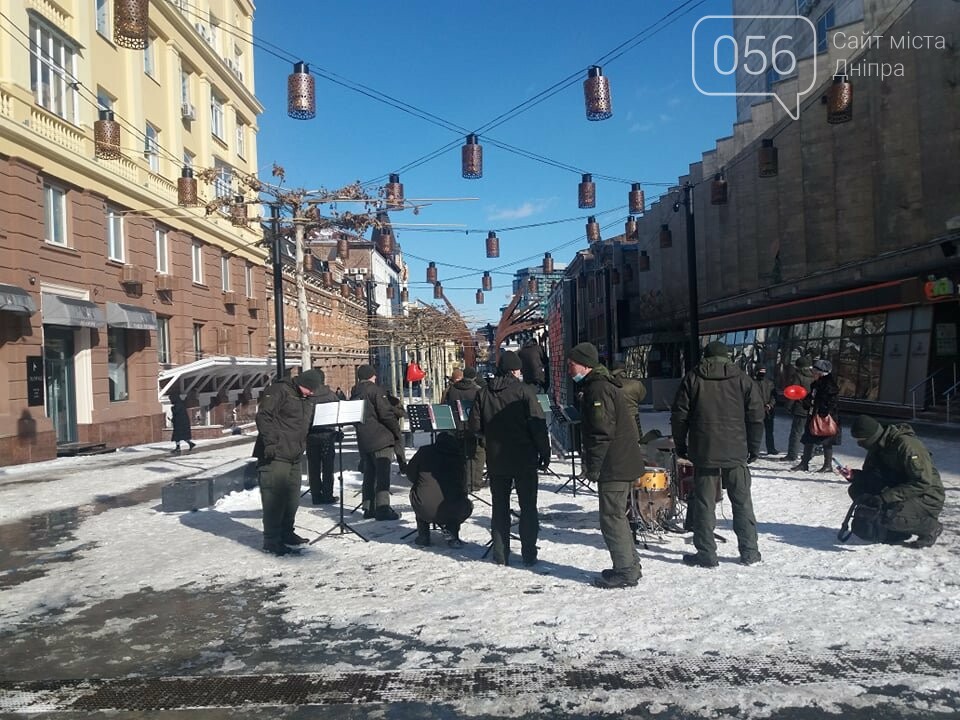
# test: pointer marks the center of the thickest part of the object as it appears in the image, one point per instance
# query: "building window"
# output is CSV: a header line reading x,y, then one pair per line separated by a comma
x,y
150,58
184,86
117,364
223,181
248,279
163,340
197,261
105,101
55,214
197,341
225,272
52,70
114,233
162,252
151,148
188,158
216,116
824,23
241,133
249,343
103,18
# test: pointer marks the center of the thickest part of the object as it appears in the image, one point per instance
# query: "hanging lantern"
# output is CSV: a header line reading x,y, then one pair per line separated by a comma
x,y
615,277
643,262
630,228
532,284
840,100
767,159
238,212
130,27
487,281
343,248
666,237
479,297
587,192
635,200
309,262
471,158
718,190
393,191
596,94
437,291
106,136
593,230
391,293
344,289
326,277
432,272
547,263
384,239
301,97
404,295
186,187
493,245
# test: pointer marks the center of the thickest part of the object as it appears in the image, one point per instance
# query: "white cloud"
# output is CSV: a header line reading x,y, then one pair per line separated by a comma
x,y
641,127
525,210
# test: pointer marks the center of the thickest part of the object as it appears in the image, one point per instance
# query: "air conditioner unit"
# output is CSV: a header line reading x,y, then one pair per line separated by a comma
x,y
230,298
353,271
131,275
188,111
255,303
361,271
166,283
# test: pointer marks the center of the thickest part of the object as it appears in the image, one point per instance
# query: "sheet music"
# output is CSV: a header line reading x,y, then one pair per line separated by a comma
x,y
442,417
345,412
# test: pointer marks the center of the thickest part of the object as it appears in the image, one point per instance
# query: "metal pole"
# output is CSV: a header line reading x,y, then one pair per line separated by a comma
x,y
278,291
607,313
371,287
692,277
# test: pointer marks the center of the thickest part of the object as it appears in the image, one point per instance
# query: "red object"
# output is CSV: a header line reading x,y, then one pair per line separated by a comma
x,y
795,392
415,373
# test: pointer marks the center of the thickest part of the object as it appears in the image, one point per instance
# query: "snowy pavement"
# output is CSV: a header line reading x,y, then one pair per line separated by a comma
x,y
98,585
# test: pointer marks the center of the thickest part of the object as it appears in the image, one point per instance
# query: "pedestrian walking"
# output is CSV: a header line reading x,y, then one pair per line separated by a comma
x,y
768,394
802,376
821,402
180,419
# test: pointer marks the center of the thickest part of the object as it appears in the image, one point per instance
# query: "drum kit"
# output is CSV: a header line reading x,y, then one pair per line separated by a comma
x,y
657,500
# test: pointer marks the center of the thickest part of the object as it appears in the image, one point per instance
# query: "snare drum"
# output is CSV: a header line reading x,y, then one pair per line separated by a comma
x,y
654,479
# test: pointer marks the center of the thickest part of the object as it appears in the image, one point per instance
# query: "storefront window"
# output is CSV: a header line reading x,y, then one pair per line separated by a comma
x,y
117,364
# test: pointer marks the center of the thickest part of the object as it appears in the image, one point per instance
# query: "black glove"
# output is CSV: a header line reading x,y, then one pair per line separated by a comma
x,y
752,458
682,452
544,462
338,436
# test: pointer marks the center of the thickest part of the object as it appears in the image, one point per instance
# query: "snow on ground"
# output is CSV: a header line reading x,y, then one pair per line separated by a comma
x,y
810,594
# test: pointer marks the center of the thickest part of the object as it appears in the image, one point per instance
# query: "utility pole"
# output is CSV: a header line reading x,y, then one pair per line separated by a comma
x,y
278,290
694,352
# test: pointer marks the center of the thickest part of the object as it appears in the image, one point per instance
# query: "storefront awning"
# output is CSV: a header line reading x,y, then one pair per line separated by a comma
x,y
60,310
130,317
220,374
16,300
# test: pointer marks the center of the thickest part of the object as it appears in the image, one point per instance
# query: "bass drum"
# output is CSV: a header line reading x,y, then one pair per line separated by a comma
x,y
685,476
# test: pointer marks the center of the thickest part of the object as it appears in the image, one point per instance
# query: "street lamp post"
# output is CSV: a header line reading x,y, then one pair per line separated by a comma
x,y
694,353
278,290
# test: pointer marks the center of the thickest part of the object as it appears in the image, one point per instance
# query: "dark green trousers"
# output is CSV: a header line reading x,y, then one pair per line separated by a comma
x,y
702,510
280,497
615,528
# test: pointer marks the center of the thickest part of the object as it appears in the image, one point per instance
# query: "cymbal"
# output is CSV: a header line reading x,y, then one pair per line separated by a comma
x,y
664,443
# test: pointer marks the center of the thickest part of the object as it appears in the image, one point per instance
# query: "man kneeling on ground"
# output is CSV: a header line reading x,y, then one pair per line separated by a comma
x,y
899,476
439,492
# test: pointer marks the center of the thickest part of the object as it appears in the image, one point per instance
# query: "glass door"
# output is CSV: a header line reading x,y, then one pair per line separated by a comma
x,y
61,382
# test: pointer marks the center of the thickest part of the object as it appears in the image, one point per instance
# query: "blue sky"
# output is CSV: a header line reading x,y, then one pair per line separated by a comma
x,y
468,64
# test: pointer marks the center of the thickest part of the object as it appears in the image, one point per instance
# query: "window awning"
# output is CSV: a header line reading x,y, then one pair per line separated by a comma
x,y
16,300
130,317
60,310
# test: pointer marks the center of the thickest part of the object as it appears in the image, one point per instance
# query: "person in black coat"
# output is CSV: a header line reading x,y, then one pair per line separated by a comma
x,y
376,437
460,397
321,450
532,366
508,415
822,400
180,420
439,492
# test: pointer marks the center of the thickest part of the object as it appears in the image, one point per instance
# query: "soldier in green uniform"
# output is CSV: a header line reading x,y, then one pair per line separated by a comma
x,y
899,470
633,390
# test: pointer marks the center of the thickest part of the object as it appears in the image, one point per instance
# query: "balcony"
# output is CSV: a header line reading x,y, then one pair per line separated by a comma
x,y
131,275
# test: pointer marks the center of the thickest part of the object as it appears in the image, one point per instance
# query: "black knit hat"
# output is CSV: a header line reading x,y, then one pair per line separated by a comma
x,y
716,349
469,373
310,379
585,354
509,360
365,372
866,428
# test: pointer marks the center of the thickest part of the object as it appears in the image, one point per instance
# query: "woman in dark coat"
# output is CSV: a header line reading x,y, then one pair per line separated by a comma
x,y
823,401
181,422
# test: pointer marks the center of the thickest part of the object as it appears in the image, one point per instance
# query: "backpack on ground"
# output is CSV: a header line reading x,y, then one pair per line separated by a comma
x,y
863,520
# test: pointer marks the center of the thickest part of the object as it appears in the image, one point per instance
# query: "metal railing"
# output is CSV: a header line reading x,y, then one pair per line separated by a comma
x,y
926,389
949,394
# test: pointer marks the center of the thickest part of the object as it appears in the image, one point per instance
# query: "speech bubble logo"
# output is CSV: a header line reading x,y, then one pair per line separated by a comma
x,y
760,53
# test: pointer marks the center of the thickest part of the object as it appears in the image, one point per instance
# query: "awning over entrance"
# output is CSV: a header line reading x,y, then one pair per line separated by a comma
x,y
130,317
16,300
61,310
212,376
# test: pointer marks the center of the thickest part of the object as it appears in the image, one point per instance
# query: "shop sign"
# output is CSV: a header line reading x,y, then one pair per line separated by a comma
x,y
34,380
938,288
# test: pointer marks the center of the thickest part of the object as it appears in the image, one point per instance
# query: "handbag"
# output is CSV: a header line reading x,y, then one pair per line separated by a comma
x,y
864,520
823,426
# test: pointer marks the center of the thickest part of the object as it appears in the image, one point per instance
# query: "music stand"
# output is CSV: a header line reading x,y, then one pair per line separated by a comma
x,y
345,412
441,417
569,416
